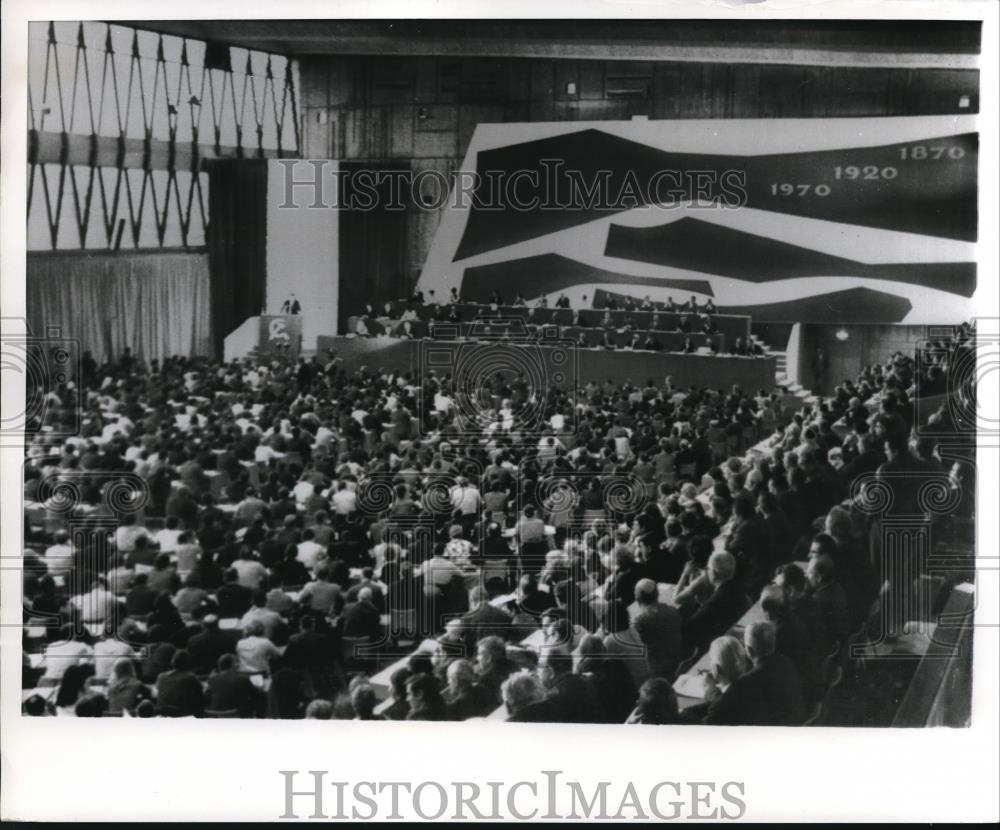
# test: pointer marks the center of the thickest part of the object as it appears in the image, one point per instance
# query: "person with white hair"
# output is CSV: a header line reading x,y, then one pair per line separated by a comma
x,y
769,694
720,609
727,663
522,695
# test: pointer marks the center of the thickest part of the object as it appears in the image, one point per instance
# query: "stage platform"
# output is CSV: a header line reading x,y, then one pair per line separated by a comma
x,y
554,364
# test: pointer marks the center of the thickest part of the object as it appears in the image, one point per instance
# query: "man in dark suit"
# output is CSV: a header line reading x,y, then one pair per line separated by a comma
x,y
230,689
574,698
782,534
751,545
792,581
209,645
234,599
361,618
574,603
830,598
368,581
723,607
767,695
178,691
659,629
793,640
140,599
483,620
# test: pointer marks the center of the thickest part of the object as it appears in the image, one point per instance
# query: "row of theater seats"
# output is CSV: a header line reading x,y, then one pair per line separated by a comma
x,y
732,325
670,341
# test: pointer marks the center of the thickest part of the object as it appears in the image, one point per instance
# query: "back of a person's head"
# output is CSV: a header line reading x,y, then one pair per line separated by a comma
x,y
743,508
723,564
520,690
254,628
181,661
646,592
425,685
461,673
91,706
772,602
363,700
319,709
728,654
591,645
793,578
397,680
760,640
34,706
658,701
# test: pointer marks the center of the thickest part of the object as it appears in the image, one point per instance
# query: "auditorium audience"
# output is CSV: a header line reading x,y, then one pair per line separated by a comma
x,y
265,514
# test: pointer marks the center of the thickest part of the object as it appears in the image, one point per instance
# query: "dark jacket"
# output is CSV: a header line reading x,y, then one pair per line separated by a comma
x,y
234,599
659,629
831,602
361,619
485,620
576,699
724,606
768,695
474,702
179,693
232,690
207,647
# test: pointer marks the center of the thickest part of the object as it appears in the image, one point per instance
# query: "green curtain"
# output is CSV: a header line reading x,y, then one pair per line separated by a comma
x,y
156,303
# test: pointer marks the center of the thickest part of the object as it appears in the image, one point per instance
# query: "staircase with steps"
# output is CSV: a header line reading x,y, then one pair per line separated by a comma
x,y
795,395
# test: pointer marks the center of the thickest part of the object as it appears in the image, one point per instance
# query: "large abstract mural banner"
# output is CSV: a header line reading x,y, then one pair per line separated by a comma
x,y
760,214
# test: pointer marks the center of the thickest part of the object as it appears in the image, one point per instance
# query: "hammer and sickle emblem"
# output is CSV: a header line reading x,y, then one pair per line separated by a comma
x,y
277,330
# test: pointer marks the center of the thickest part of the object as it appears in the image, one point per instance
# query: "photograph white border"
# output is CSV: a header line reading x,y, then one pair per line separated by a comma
x,y
56,769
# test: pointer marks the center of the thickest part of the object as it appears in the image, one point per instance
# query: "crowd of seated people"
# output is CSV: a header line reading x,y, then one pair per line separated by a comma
x,y
646,326
281,516
610,302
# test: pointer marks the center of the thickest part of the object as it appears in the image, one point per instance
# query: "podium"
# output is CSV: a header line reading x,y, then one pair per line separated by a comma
x,y
280,334
271,335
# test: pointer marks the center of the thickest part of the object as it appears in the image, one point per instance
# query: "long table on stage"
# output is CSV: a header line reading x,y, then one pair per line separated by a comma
x,y
599,365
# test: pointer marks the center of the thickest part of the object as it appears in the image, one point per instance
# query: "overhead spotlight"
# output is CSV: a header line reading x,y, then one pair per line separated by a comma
x,y
841,335
422,114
